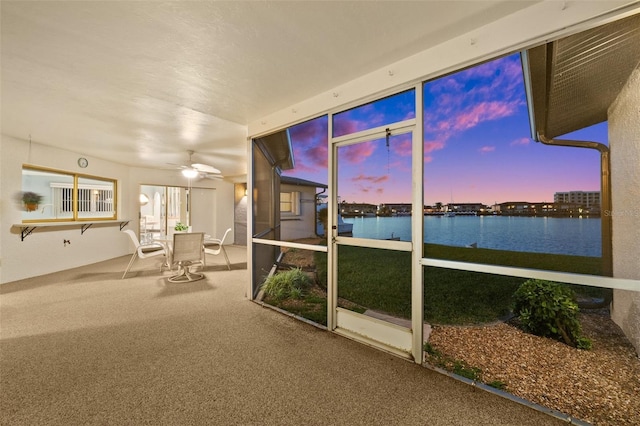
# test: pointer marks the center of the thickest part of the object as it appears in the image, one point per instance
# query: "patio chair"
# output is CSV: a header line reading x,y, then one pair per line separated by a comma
x,y
144,251
215,247
187,252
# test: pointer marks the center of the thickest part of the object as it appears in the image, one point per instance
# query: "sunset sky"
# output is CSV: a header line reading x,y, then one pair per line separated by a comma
x,y
477,145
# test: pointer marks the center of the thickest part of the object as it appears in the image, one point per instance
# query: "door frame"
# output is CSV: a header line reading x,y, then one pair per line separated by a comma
x,y
405,342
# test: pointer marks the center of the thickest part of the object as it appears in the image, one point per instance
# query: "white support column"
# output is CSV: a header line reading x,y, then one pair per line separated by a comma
x,y
332,291
250,219
417,225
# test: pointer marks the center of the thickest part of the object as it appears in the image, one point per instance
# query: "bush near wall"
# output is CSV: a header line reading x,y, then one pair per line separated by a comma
x,y
549,309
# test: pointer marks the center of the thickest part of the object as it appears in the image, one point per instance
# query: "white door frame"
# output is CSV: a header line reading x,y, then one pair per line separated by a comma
x,y
406,342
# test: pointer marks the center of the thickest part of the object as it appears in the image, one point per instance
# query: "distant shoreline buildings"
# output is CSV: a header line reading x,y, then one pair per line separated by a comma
x,y
587,199
565,204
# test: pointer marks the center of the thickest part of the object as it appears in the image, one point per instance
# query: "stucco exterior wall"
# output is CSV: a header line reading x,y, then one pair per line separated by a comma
x,y
624,137
303,225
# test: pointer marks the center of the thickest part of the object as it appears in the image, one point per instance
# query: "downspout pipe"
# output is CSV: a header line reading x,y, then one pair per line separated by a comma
x,y
605,194
275,224
315,207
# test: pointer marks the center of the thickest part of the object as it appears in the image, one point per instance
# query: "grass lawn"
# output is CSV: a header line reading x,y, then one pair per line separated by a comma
x,y
381,280
312,306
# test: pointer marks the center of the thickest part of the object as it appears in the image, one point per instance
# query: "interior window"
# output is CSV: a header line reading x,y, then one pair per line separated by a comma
x,y
95,198
50,195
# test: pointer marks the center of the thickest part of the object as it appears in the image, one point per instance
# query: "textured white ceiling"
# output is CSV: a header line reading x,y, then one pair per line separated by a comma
x,y
140,83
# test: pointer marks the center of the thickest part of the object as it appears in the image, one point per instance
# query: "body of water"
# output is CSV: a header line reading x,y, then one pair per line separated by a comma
x,y
574,236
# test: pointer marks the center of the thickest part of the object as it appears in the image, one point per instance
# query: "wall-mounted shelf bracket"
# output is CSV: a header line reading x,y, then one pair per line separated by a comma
x,y
26,230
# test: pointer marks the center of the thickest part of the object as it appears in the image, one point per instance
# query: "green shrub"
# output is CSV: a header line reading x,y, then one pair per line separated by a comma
x,y
288,284
549,309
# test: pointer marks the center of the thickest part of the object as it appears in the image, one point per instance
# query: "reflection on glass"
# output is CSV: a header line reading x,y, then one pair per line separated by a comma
x,y
374,189
375,282
264,221
290,175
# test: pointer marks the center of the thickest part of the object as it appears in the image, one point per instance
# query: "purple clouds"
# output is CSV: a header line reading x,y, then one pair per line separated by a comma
x,y
476,142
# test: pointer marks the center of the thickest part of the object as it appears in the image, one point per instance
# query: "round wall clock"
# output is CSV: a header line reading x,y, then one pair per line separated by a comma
x,y
83,162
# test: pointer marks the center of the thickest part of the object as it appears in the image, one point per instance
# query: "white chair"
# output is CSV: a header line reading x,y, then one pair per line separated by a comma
x,y
215,247
187,252
144,251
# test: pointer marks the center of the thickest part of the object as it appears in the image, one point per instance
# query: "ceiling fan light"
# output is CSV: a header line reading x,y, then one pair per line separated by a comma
x,y
189,173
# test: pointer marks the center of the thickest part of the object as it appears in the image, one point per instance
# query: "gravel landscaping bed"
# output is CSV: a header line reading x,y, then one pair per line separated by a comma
x,y
600,386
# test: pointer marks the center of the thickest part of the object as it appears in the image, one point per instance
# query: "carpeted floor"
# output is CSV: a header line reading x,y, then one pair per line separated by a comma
x,y
85,347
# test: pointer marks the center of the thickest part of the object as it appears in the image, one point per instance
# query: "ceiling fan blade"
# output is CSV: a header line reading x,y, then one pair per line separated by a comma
x,y
212,177
180,166
205,168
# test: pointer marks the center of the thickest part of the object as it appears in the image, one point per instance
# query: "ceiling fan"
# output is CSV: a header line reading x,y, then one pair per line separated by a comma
x,y
198,170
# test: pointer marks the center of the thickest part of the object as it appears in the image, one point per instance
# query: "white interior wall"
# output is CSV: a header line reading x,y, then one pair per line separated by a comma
x,y
624,137
203,210
44,251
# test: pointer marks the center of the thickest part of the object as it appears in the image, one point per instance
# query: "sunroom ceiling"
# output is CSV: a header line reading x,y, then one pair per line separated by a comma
x,y
574,80
140,83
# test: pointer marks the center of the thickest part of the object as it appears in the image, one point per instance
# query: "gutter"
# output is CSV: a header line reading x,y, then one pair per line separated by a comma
x,y
315,208
605,163
605,195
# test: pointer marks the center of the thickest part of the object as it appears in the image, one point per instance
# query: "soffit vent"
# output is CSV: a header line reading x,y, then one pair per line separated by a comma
x,y
574,80
276,147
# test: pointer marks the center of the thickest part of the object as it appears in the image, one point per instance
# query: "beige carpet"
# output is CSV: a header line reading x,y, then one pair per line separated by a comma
x,y
85,347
